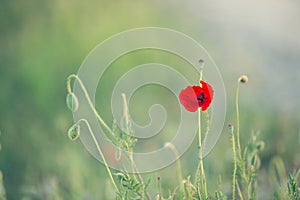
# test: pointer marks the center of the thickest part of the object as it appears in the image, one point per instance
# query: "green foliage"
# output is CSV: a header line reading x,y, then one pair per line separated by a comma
x,y
125,140
291,190
293,187
130,187
219,195
248,166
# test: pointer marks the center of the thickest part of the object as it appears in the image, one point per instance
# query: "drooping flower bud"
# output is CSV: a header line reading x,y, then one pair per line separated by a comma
x,y
72,101
74,132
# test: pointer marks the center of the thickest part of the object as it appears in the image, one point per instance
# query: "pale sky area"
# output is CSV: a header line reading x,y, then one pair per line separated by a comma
x,y
257,38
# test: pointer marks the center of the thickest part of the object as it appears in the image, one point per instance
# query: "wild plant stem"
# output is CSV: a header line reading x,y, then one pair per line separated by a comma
x,y
207,126
104,125
100,152
239,150
238,120
136,171
199,131
88,99
249,190
130,154
239,190
198,171
200,168
159,189
234,165
98,117
203,179
133,168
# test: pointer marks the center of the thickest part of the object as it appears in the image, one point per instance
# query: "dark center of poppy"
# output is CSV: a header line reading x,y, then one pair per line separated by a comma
x,y
201,97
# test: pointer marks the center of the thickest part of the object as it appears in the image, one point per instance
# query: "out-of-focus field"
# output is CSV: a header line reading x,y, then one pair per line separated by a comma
x,y
42,42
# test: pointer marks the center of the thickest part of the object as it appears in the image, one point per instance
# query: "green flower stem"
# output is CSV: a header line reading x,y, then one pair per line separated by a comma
x,y
239,150
234,162
159,189
207,126
197,181
73,76
100,152
130,153
199,131
136,171
239,190
125,108
134,168
238,120
200,168
201,156
198,171
201,151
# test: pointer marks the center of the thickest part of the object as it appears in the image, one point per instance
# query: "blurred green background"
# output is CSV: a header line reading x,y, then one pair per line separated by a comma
x,y
42,42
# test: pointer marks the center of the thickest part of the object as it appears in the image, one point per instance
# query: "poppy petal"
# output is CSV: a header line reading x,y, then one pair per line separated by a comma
x,y
188,99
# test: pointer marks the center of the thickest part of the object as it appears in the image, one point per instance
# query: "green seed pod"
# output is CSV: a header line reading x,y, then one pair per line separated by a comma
x,y
74,132
72,101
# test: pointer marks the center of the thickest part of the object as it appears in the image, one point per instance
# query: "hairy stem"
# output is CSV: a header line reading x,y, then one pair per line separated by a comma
x,y
239,190
201,144
99,151
73,76
234,163
159,188
238,120
239,150
136,171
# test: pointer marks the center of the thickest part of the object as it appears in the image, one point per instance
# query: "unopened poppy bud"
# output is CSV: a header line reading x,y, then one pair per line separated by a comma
x,y
74,132
243,79
72,101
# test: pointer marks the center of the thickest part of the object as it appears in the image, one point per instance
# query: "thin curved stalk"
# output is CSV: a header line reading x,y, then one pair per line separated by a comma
x,y
88,99
99,151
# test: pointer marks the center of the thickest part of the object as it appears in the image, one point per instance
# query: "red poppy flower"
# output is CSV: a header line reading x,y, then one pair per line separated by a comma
x,y
194,97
